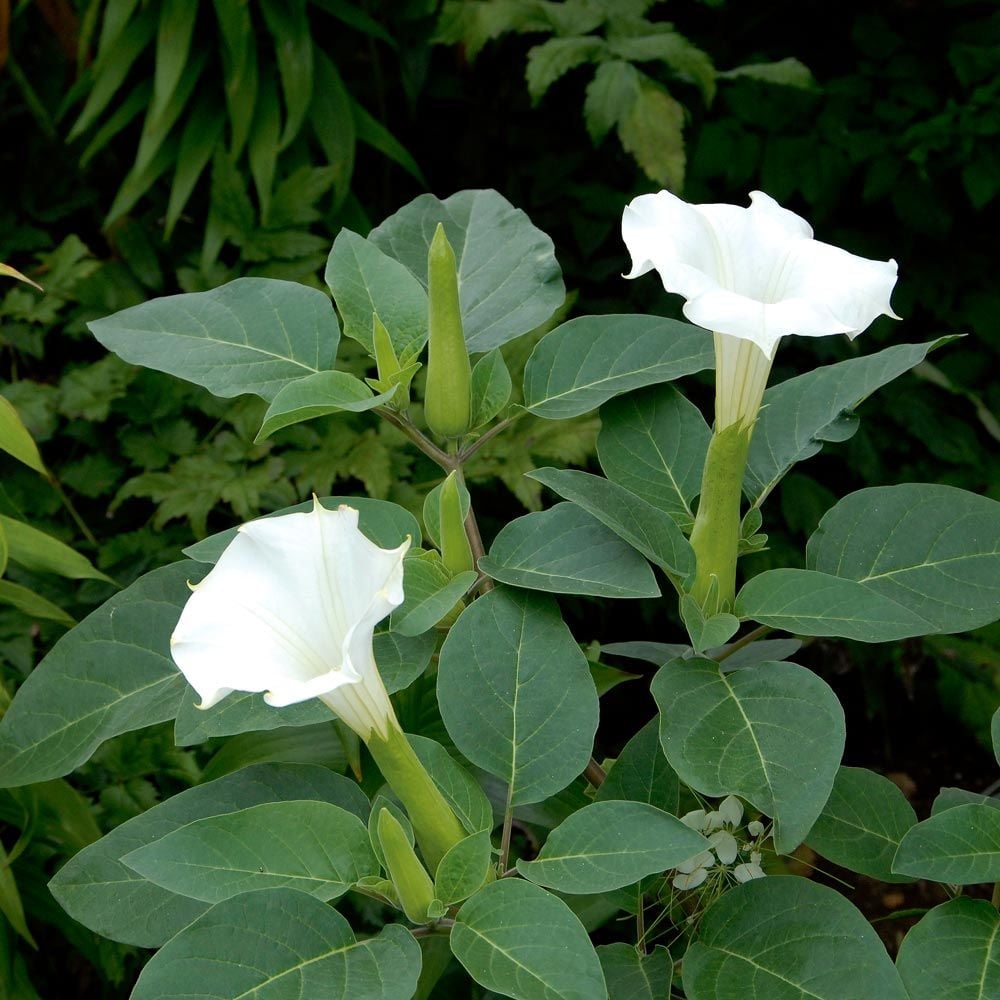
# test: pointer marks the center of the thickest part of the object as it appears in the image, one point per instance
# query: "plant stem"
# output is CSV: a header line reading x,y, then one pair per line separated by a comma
x,y
996,894
716,533
594,773
424,443
73,512
734,647
468,452
443,925
508,820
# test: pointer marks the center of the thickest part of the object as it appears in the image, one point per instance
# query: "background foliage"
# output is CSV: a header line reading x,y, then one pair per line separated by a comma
x,y
158,150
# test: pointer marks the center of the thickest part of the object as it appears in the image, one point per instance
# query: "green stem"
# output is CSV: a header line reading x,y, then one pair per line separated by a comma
x,y
716,534
435,826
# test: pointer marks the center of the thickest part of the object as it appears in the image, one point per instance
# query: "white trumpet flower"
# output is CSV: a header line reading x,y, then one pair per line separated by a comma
x,y
290,609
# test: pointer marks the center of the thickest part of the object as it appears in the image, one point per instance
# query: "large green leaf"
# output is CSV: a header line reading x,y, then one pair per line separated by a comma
x,y
648,529
799,416
400,659
41,553
508,279
933,549
631,976
318,396
653,443
463,869
862,824
386,524
316,847
278,944
364,281
607,845
786,938
252,335
516,694
772,734
960,846
565,550
109,675
641,773
100,892
521,941
953,953
807,602
585,362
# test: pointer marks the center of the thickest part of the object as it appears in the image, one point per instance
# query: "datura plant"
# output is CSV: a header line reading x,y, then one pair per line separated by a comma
x,y
491,843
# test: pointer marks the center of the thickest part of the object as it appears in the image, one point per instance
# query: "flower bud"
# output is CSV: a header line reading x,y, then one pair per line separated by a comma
x,y
448,396
409,877
455,550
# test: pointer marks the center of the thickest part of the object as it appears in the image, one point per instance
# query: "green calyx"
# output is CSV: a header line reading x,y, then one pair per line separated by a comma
x,y
448,395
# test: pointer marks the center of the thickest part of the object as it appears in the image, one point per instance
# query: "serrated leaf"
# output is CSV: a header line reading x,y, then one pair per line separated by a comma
x,y
862,824
557,56
251,335
648,529
960,846
582,364
509,280
318,396
933,549
799,415
611,844
785,72
315,847
953,952
610,97
786,938
653,442
109,675
807,602
97,890
653,132
264,943
516,694
565,550
772,734
496,938
673,49
364,281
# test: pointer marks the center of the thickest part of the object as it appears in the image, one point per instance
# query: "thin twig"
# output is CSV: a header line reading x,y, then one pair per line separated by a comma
x,y
73,512
757,633
496,429
428,447
508,821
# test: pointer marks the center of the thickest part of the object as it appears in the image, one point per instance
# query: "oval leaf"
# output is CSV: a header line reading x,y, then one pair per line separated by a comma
x,y
565,550
933,549
608,845
251,335
96,889
315,847
508,278
772,734
431,592
786,938
862,824
582,364
516,694
631,976
960,846
521,941
265,944
642,774
953,952
463,869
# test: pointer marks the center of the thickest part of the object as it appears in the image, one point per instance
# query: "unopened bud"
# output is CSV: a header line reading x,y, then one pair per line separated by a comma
x,y
455,550
409,877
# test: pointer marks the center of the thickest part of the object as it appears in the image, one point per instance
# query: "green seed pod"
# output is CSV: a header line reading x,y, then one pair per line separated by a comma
x,y
448,397
455,550
413,885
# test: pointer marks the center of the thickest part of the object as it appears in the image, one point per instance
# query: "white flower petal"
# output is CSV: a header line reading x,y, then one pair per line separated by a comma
x,y
695,819
289,609
713,821
755,828
700,860
690,880
725,846
731,810
746,872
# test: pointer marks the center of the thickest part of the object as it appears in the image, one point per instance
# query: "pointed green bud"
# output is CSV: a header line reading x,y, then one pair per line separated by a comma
x,y
385,353
456,553
448,396
409,877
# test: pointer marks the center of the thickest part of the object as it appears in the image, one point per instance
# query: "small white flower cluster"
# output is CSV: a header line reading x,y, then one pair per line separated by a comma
x,y
718,827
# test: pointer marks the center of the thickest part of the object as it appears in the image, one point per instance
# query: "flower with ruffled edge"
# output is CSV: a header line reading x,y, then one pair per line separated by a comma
x,y
290,609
